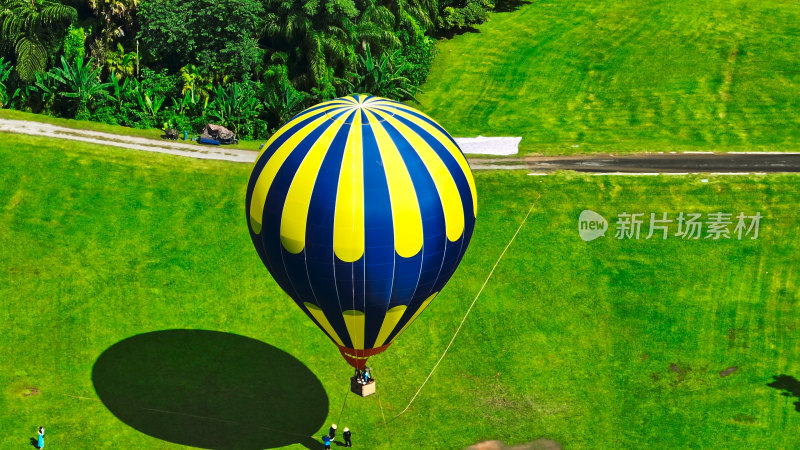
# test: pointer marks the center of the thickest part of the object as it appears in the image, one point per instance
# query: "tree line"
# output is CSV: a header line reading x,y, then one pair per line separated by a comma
x,y
246,64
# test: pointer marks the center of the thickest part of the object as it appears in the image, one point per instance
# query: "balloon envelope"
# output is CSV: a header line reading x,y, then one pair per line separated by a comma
x,y
361,209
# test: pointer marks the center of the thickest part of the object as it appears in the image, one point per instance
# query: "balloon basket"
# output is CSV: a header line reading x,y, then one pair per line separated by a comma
x,y
359,388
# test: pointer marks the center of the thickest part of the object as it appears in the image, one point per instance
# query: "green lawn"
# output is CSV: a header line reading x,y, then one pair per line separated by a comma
x,y
571,340
625,76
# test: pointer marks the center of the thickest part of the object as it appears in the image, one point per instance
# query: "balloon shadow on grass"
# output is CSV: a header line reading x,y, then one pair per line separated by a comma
x,y
211,390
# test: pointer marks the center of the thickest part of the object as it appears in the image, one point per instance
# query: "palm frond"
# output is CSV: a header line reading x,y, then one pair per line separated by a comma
x,y
31,57
55,13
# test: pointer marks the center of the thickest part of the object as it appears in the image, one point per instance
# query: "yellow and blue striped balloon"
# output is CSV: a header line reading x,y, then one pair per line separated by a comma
x,y
361,208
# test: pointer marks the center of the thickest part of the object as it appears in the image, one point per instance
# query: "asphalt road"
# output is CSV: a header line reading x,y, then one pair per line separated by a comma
x,y
652,163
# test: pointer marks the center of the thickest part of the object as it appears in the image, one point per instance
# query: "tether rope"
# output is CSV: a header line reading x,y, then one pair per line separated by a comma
x,y
378,392
491,272
339,420
521,224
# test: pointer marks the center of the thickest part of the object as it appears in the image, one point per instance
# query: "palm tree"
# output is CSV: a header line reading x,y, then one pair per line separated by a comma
x,y
413,14
374,28
315,40
34,27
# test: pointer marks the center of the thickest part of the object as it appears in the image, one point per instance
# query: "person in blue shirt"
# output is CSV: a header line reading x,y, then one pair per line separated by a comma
x,y
40,444
327,441
367,375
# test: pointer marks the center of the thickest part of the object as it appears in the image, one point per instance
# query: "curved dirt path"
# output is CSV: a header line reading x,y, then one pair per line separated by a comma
x,y
131,142
646,163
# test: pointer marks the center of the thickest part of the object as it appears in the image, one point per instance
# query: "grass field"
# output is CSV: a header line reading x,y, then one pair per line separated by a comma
x,y
105,250
624,76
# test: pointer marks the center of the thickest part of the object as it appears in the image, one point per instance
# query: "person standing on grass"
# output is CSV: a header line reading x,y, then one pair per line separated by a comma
x,y
332,431
327,441
40,444
346,435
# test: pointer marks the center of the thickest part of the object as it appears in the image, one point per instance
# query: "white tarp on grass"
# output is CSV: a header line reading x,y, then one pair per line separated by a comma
x,y
483,145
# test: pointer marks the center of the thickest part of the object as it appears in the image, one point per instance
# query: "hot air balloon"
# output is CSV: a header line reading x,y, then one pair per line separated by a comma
x,y
361,208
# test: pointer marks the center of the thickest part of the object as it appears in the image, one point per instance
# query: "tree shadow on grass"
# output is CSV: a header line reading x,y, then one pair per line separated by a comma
x,y
453,32
790,385
510,5
211,390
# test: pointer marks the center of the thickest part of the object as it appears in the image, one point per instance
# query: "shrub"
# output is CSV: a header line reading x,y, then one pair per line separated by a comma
x,y
81,83
281,100
43,92
459,14
210,34
235,106
382,77
74,43
416,57
147,104
5,72
106,114
161,83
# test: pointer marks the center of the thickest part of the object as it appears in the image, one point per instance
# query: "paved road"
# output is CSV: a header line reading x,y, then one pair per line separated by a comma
x,y
650,163
671,163
640,163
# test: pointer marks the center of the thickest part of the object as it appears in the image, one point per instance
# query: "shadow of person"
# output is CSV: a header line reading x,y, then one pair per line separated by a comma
x,y
35,442
789,384
211,390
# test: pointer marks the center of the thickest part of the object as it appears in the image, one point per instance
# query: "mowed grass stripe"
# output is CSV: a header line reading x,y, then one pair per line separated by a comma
x,y
625,76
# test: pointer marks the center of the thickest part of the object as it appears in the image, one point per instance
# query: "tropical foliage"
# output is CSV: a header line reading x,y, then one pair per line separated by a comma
x,y
34,28
79,82
219,35
383,77
5,72
235,107
113,21
247,64
457,14
74,43
121,63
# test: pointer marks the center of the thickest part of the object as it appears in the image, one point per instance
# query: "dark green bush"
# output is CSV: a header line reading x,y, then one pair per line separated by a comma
x,y
459,14
80,85
218,35
235,107
74,43
416,57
